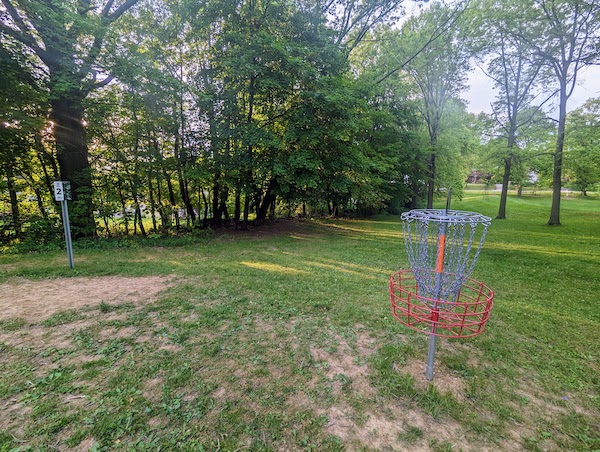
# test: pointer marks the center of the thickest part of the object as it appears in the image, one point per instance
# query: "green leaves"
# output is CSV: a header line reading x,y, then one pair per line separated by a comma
x,y
582,156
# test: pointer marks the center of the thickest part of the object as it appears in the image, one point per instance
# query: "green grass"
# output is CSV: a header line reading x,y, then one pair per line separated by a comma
x,y
283,339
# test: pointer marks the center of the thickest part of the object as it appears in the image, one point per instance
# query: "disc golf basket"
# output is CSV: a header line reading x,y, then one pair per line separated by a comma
x,y
436,296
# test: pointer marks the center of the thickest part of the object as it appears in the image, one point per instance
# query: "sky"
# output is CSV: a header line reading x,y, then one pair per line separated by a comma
x,y
481,92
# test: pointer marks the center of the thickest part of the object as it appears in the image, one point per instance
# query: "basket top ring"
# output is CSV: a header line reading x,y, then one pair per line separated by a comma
x,y
446,216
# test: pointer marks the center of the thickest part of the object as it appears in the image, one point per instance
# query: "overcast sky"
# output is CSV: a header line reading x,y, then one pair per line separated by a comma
x,y
481,92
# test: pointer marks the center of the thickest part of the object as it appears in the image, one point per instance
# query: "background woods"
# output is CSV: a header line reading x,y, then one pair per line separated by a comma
x,y
175,115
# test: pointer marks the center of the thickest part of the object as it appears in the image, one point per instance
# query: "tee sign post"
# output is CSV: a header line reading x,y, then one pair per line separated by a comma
x,y
62,193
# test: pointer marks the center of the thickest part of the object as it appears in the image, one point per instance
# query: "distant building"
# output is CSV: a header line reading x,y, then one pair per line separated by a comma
x,y
477,177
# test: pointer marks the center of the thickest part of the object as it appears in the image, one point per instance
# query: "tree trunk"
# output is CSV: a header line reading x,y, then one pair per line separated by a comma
x,y
106,226
135,221
249,182
216,220
40,203
45,160
172,198
263,209
72,155
180,161
431,181
164,218
14,202
205,201
414,199
152,201
238,208
124,210
223,205
504,194
558,157
334,209
189,205
138,212
246,212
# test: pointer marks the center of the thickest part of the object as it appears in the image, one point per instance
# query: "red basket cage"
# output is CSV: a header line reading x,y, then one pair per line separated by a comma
x,y
465,316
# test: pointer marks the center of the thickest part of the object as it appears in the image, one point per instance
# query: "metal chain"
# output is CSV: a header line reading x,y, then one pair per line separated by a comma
x,y
464,236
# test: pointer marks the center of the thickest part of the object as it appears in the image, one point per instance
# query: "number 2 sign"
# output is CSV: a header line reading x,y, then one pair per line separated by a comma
x,y
62,190
59,191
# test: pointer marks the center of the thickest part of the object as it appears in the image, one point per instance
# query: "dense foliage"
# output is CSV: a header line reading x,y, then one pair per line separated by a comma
x,y
174,115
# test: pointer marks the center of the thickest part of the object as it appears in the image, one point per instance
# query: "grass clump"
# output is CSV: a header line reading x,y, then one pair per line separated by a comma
x,y
9,325
411,435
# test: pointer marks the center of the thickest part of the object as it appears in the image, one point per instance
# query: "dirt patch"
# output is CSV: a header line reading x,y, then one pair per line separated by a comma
x,y
35,301
380,424
444,380
401,426
347,366
14,415
344,364
86,444
39,336
365,344
152,389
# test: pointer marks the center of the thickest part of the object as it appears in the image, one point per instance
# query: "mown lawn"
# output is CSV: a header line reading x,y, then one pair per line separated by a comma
x,y
282,339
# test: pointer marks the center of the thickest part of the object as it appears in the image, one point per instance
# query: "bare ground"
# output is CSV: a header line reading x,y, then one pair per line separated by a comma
x,y
35,301
381,427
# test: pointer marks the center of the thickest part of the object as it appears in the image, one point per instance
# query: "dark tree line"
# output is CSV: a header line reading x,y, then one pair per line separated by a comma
x,y
201,114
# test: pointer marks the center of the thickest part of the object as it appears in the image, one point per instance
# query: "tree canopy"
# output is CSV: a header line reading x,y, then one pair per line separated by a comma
x,y
174,115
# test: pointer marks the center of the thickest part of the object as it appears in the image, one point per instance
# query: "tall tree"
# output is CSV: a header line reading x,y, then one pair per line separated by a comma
x,y
564,34
439,71
68,37
516,74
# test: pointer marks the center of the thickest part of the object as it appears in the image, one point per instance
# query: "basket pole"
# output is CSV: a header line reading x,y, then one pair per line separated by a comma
x,y
439,269
430,354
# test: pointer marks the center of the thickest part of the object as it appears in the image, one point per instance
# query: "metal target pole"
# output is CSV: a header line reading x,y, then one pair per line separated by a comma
x,y
67,229
62,193
437,292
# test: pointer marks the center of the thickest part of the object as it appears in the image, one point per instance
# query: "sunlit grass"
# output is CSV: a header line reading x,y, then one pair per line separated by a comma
x,y
273,268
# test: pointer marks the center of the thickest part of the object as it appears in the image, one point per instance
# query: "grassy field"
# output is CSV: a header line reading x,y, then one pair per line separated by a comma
x,y
282,339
